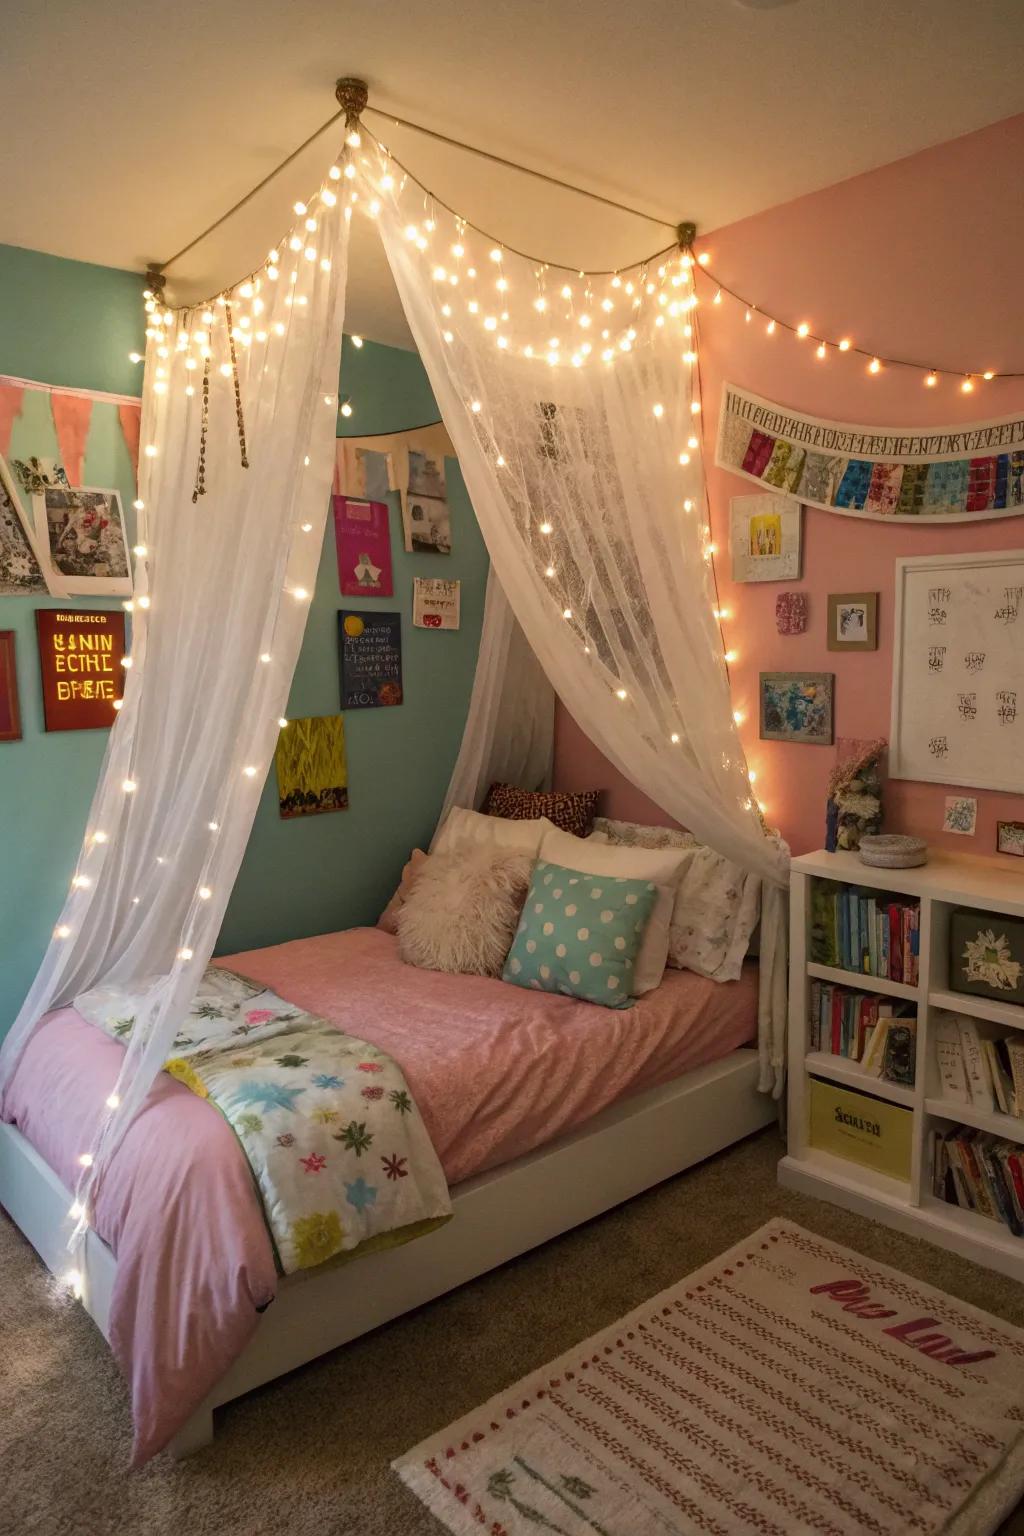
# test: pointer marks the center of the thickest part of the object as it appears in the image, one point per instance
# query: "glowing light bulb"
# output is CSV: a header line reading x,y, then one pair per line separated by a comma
x,y
546,528
250,771
62,931
737,715
475,406
844,345
684,458
350,171
204,893
988,374
129,786
135,357
81,882
353,140
820,351
76,1210
328,198
874,366
718,297
931,379
730,657
346,409
282,721
549,572
658,410
674,738
113,1100
151,451
357,341
770,328
185,953
566,613
85,1158
300,594
119,703
144,602
126,662
300,208
620,693
100,837
495,254
967,386
803,329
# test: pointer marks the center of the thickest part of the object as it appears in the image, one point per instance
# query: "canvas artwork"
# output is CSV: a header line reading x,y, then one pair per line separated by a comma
x,y
10,717
312,769
764,538
791,613
362,537
853,621
84,533
797,706
1010,838
436,602
21,573
961,815
370,658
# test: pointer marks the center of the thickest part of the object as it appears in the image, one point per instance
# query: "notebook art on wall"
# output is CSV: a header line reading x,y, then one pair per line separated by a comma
x,y
370,659
904,474
362,536
312,767
21,573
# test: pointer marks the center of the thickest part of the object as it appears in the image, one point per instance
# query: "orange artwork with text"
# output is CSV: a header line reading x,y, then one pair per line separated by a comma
x,y
80,654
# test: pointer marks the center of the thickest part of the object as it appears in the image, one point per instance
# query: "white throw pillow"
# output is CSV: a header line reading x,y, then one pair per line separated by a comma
x,y
464,831
661,866
462,911
717,903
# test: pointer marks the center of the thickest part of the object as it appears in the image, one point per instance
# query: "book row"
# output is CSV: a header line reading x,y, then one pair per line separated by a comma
x,y
878,1032
979,1172
976,1070
870,932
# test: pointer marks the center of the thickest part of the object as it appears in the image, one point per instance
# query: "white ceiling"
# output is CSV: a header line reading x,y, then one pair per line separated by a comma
x,y
128,130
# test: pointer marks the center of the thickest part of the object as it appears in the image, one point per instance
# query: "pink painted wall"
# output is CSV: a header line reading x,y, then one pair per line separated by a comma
x,y
920,259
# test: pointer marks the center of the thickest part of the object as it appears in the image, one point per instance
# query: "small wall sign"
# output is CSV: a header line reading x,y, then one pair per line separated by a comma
x,y
80,654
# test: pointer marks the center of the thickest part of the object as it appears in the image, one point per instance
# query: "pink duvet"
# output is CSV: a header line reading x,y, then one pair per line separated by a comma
x,y
495,1070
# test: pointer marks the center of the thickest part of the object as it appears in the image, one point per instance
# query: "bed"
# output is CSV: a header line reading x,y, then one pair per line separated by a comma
x,y
545,1111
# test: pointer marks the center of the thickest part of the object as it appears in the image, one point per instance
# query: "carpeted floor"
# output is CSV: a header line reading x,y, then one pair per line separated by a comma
x,y
309,1455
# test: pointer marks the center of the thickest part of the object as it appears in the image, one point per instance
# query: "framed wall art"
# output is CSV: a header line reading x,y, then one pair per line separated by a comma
x,y
1010,838
852,621
765,538
958,670
80,651
10,716
797,706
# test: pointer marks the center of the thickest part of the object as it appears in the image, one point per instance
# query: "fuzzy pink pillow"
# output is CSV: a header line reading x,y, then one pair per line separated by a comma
x,y
388,919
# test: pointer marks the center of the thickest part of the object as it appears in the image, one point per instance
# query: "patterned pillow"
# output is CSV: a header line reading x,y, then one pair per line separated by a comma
x,y
572,812
717,904
580,934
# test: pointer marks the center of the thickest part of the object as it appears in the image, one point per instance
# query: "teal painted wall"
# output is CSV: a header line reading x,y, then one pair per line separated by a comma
x,y
68,323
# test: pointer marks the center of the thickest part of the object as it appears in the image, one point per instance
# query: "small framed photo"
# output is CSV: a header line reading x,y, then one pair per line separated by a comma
x,y
1010,838
765,538
853,621
961,815
10,719
797,706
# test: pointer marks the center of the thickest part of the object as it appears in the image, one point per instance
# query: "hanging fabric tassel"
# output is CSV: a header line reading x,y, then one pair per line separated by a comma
x,y
238,392
200,486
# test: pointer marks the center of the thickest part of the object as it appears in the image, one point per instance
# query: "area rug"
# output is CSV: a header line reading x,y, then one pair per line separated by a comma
x,y
789,1386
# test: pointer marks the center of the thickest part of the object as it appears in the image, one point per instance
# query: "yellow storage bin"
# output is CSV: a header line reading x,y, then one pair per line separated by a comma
x,y
862,1129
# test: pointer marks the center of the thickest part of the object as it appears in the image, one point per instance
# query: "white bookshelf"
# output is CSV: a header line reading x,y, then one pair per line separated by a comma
x,y
947,881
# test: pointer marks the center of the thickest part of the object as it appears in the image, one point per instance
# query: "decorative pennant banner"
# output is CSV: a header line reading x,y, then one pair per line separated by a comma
x,y
903,474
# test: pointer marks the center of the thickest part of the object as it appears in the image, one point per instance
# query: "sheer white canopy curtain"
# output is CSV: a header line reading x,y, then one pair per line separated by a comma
x,y
571,400
238,441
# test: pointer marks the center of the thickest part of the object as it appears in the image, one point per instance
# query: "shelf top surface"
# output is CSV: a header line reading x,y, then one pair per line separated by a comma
x,y
946,876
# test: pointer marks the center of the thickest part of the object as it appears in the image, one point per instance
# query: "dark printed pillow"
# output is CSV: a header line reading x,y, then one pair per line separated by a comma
x,y
572,813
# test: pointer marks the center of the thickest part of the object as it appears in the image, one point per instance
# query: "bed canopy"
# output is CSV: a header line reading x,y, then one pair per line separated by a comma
x,y
572,400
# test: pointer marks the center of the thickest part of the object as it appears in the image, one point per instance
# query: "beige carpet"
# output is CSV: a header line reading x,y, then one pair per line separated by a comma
x,y
309,1455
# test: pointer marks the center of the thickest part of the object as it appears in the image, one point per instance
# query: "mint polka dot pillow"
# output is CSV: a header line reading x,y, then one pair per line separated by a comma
x,y
580,934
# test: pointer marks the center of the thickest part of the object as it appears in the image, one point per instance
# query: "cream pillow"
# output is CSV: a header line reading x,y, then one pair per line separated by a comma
x,y
465,830
462,912
662,866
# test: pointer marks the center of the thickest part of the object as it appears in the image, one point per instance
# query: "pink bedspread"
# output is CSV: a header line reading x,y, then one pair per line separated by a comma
x,y
496,1071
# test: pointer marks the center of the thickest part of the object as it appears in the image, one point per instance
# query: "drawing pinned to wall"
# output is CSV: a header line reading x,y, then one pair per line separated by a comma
x,y
365,472
10,715
370,659
21,570
436,602
311,767
797,706
903,474
852,621
80,654
958,665
961,815
362,536
1010,838
84,534
764,538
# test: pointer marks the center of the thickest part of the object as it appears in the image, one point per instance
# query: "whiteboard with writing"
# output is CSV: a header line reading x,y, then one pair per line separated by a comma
x,y
958,670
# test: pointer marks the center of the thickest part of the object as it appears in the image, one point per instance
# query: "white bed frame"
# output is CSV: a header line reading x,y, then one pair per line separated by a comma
x,y
631,1146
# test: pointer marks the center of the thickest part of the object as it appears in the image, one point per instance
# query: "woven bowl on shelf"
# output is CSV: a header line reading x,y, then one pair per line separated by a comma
x,y
890,850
